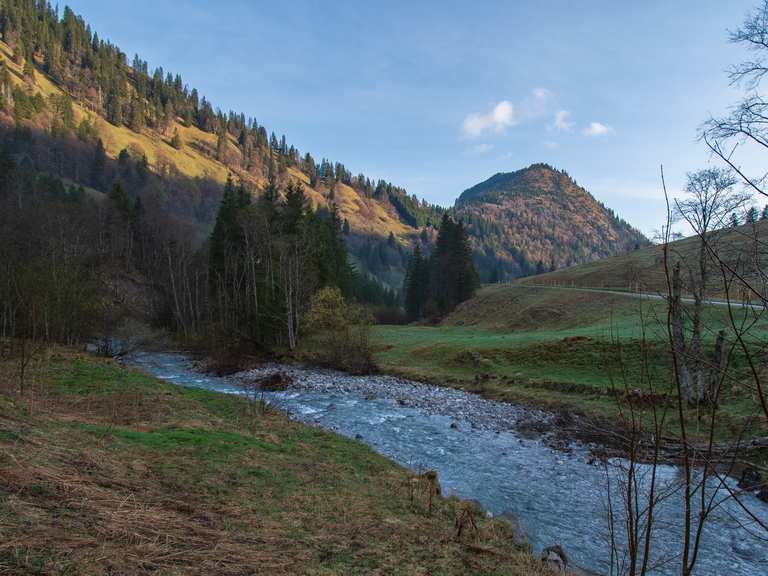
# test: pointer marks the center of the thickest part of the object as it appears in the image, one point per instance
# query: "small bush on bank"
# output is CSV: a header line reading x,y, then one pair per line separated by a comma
x,y
338,333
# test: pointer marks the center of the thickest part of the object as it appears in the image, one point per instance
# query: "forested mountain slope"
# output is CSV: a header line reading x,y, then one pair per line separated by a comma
x,y
72,89
537,219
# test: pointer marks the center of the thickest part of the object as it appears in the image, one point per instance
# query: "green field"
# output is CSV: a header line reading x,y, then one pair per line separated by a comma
x,y
555,348
104,470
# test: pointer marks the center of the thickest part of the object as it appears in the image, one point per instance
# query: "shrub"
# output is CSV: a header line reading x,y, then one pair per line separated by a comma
x,y
338,332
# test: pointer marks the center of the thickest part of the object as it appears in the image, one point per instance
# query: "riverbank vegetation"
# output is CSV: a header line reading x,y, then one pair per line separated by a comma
x,y
104,469
563,349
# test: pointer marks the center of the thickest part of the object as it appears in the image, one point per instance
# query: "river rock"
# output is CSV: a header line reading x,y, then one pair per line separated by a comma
x,y
554,558
743,548
276,382
750,479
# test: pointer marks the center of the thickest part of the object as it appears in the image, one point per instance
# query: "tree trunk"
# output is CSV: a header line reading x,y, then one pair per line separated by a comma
x,y
678,334
718,367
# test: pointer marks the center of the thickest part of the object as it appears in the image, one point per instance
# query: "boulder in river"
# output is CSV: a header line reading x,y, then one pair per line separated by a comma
x,y
750,479
276,382
554,558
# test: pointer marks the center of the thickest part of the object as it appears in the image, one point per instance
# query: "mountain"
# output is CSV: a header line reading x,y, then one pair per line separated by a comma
x,y
537,219
67,97
66,88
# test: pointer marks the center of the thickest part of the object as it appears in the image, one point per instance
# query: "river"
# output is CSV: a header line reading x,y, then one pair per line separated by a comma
x,y
480,453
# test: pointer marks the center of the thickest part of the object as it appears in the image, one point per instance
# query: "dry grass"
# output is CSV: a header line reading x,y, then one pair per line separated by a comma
x,y
519,308
643,270
106,471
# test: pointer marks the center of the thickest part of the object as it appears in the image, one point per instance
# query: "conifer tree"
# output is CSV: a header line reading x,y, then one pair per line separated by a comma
x,y
137,114
221,146
98,166
416,286
176,139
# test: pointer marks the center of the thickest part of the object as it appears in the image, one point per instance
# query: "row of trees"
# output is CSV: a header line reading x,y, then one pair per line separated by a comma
x,y
436,284
267,258
751,216
98,74
75,262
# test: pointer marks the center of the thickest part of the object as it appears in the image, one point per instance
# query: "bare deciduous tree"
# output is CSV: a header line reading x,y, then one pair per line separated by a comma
x,y
711,199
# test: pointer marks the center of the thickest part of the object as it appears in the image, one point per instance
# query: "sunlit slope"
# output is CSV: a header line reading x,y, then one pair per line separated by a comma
x,y
196,159
643,270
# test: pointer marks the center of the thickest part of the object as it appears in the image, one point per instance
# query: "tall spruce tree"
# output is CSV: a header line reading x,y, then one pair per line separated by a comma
x,y
453,277
416,286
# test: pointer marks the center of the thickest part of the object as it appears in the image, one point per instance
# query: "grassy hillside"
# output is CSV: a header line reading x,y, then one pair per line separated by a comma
x,y
104,470
643,270
189,161
196,159
557,348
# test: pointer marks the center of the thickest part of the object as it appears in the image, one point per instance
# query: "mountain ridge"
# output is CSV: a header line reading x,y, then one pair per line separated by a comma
x,y
157,117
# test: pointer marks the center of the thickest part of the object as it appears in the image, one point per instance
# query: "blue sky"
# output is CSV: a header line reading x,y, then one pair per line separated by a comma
x,y
437,96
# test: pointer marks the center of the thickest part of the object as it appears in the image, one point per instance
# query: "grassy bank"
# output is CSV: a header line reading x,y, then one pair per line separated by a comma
x,y
104,470
557,349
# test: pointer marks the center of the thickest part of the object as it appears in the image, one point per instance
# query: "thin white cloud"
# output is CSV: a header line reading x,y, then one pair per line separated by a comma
x,y
550,145
478,149
562,121
498,119
597,129
536,105
543,96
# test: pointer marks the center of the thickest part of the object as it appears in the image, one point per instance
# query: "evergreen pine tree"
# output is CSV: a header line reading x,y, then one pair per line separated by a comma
x,y
98,166
416,286
176,139
137,114
120,199
225,235
453,276
221,146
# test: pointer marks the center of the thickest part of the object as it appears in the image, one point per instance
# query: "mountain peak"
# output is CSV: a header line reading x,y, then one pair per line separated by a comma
x,y
537,179
540,217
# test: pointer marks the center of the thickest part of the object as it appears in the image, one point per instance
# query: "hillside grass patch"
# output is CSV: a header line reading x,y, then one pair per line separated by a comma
x,y
201,484
583,360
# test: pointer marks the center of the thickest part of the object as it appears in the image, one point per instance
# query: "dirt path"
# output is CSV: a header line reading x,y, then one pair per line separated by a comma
x,y
642,295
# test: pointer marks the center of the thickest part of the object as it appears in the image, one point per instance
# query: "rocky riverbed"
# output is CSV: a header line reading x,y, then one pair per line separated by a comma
x,y
466,409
